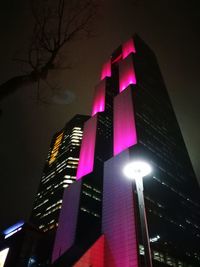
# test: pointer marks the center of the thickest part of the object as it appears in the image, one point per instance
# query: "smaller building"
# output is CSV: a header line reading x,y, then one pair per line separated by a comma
x,y
59,172
22,245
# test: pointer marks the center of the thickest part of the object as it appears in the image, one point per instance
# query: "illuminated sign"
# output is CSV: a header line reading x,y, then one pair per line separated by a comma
x,y
13,229
3,256
14,232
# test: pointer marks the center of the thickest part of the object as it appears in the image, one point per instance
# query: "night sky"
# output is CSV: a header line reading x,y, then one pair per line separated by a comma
x,y
171,28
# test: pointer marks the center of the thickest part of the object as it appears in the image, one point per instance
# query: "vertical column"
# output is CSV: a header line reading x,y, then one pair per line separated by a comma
x,y
65,234
86,159
118,219
127,48
126,73
106,70
99,98
124,122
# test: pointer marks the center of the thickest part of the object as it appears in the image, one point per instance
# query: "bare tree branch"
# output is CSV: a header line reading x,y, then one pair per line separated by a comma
x,y
56,24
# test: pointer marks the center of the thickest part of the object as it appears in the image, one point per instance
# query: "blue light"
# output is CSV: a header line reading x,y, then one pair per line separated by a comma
x,y
13,227
32,261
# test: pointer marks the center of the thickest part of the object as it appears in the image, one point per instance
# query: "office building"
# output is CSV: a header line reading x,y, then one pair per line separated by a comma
x,y
59,172
132,118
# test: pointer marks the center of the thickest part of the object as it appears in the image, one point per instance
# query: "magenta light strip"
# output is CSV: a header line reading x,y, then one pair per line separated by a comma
x,y
126,73
99,98
127,48
124,122
86,159
106,70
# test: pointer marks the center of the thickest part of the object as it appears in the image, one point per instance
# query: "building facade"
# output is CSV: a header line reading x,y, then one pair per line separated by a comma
x,y
132,118
59,172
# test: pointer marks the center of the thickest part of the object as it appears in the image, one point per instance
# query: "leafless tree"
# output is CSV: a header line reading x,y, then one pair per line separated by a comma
x,y
56,24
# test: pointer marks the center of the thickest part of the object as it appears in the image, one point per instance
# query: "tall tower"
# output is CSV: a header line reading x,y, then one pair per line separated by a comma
x,y
59,172
132,117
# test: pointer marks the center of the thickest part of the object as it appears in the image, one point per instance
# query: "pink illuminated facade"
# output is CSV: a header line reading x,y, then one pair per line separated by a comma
x,y
125,134
119,218
99,98
126,73
110,131
94,256
86,159
127,48
110,217
106,70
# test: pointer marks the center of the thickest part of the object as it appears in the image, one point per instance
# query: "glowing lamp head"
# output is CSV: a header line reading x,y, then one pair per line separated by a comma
x,y
137,169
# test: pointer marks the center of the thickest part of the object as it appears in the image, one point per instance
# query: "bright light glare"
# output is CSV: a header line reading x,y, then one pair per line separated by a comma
x,y
137,169
154,239
3,256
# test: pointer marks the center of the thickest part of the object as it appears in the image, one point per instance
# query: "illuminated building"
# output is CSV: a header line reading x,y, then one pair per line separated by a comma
x,y
59,172
132,118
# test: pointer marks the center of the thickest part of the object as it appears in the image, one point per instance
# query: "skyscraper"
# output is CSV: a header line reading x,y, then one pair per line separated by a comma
x,y
132,118
59,172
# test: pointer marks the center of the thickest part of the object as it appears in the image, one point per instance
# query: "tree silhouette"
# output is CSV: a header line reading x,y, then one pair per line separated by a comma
x,y
56,24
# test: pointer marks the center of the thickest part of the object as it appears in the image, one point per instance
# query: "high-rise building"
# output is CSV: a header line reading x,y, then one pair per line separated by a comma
x,y
59,172
132,118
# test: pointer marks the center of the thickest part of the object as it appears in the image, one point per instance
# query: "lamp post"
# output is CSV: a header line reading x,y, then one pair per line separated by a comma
x,y
136,170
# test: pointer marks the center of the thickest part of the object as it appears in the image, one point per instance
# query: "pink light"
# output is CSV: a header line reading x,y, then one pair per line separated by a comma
x,y
99,98
124,122
126,73
106,70
117,59
127,48
86,159
94,255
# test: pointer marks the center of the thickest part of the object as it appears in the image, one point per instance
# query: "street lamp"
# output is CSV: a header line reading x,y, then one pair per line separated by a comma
x,y
136,170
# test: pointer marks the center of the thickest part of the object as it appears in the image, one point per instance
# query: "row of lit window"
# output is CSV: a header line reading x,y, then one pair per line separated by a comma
x,y
45,201
90,195
42,194
161,257
92,188
157,129
60,167
76,135
50,175
90,212
51,211
170,220
167,218
69,180
174,190
55,204
50,226
56,148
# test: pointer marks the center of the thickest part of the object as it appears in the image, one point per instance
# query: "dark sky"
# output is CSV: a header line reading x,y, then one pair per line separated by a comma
x,y
172,30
